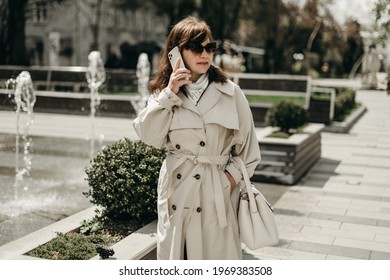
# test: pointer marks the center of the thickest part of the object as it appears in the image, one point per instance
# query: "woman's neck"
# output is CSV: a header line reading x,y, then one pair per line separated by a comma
x,y
195,77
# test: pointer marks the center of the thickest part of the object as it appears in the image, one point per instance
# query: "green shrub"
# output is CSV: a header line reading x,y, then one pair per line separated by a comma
x,y
344,103
71,246
286,115
123,180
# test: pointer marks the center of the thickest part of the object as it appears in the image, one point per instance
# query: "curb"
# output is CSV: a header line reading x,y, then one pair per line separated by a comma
x,y
345,126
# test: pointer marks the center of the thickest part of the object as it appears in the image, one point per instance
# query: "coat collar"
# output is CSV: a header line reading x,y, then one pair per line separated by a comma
x,y
210,97
227,87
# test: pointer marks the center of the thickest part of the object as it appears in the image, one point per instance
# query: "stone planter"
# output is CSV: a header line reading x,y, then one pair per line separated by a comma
x,y
285,161
141,244
346,125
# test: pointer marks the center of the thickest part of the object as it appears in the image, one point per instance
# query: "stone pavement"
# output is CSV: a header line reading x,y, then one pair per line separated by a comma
x,y
341,208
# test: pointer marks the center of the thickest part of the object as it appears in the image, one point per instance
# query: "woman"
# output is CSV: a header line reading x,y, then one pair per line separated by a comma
x,y
202,119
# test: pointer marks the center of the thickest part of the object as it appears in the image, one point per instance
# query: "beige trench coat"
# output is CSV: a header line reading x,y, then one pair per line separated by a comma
x,y
195,207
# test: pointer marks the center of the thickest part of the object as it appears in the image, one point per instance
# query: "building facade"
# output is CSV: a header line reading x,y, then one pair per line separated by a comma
x,y
64,34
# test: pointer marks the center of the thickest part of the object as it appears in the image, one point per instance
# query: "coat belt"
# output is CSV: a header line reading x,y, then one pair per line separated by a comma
x,y
213,161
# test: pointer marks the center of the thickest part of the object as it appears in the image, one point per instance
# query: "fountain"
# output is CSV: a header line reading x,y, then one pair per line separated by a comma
x,y
31,200
96,76
24,100
143,73
54,190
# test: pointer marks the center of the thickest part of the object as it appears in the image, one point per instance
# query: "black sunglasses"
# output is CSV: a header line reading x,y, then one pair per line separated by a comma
x,y
199,48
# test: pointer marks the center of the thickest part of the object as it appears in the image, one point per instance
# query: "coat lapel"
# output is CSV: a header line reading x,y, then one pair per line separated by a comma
x,y
187,103
212,94
209,98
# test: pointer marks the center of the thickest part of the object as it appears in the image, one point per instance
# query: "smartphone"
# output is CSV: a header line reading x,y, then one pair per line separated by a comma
x,y
173,55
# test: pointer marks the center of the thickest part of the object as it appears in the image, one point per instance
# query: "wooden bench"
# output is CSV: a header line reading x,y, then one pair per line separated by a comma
x,y
274,85
271,85
65,90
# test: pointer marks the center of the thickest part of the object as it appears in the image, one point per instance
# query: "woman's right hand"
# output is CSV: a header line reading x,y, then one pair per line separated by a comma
x,y
179,77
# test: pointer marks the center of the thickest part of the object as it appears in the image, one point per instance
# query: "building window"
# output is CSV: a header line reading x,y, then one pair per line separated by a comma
x,y
40,8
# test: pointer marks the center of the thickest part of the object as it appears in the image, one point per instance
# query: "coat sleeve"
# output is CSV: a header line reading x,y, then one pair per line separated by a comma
x,y
152,124
248,148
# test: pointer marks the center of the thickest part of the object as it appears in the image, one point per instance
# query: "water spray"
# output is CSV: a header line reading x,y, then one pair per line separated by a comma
x,y
96,75
24,99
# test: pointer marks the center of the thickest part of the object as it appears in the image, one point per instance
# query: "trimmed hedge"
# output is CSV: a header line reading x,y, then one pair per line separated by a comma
x,y
123,180
286,115
344,103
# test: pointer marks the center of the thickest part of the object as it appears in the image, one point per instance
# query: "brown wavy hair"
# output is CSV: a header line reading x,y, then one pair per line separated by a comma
x,y
188,31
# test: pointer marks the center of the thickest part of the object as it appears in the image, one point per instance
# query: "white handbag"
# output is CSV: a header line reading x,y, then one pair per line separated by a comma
x,y
256,220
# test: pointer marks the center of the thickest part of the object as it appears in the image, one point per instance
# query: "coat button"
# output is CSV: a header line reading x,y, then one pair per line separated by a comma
x,y
174,207
178,176
177,146
197,176
202,143
199,209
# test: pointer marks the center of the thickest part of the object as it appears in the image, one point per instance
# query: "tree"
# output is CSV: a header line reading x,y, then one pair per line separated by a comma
x,y
12,35
175,10
222,16
262,21
354,47
92,11
92,15
13,15
382,19
284,28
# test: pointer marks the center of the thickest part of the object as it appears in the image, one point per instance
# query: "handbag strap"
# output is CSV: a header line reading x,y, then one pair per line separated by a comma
x,y
248,185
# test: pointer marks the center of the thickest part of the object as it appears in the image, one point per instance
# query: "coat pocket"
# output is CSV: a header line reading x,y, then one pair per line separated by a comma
x,y
225,183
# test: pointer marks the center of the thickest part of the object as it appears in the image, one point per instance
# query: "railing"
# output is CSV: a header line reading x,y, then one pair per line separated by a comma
x,y
72,78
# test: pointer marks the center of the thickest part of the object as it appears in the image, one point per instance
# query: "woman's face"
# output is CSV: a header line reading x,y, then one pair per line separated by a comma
x,y
197,63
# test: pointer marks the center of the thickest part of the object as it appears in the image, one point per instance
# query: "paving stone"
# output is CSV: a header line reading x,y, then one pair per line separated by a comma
x,y
282,254
369,215
382,223
310,221
289,212
384,238
357,253
349,219
375,255
309,247
338,258
360,235
368,245
330,250
375,229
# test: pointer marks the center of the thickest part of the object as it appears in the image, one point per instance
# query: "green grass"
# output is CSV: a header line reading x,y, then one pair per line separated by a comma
x,y
274,99
320,96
